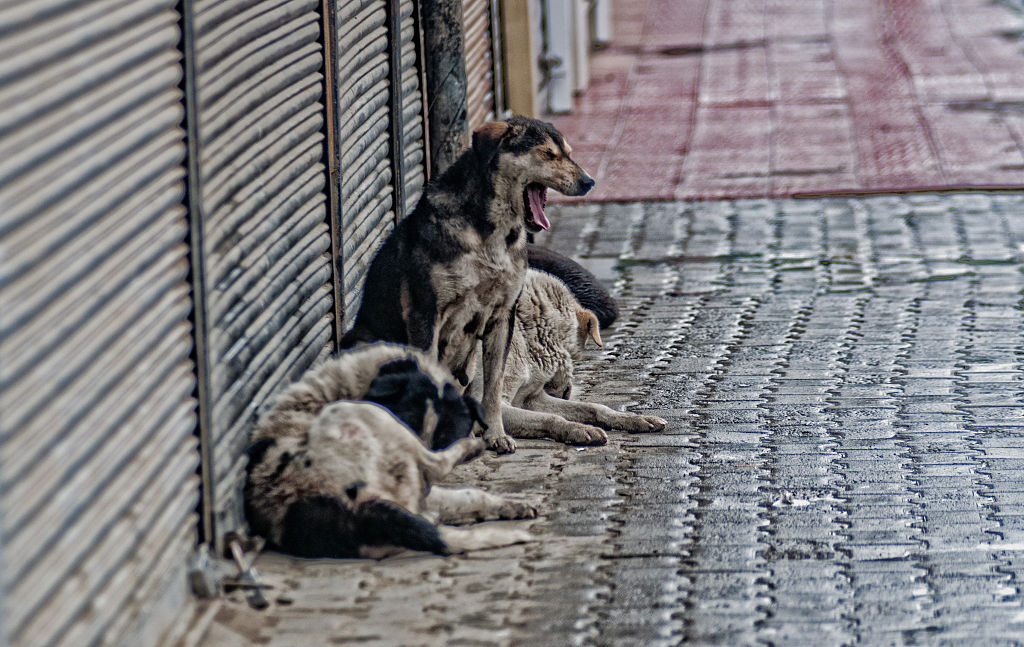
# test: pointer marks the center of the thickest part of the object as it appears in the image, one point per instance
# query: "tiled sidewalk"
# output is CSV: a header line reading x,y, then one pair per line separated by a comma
x,y
699,99
843,382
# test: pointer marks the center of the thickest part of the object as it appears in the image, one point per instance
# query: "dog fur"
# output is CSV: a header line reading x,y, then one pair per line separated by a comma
x,y
450,273
551,330
330,477
584,285
405,380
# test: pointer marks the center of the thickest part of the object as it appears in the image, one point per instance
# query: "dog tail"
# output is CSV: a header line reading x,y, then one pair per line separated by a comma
x,y
383,523
583,285
323,526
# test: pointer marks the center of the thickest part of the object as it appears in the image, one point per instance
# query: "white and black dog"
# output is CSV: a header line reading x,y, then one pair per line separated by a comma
x,y
333,473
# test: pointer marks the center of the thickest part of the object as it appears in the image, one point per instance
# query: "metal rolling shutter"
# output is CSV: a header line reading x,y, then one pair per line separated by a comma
x,y
97,452
366,192
266,241
476,27
413,162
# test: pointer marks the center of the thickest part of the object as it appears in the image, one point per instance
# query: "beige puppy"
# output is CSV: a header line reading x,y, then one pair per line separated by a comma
x,y
550,332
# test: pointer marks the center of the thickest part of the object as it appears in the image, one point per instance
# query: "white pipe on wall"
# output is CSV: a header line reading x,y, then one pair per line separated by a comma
x,y
602,21
560,53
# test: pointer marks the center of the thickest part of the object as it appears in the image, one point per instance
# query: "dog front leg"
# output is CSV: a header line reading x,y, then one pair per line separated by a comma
x,y
523,423
471,505
437,465
496,342
596,414
485,535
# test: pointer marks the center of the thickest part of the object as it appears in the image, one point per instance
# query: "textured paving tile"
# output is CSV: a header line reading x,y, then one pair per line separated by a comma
x,y
708,99
844,384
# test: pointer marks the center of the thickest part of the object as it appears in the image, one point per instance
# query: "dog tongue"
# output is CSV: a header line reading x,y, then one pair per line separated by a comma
x,y
535,194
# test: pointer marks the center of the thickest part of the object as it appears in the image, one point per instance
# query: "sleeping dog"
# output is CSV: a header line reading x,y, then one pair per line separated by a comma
x,y
333,477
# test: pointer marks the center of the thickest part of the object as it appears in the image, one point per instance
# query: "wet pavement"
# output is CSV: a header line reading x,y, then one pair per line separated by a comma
x,y
844,384
708,99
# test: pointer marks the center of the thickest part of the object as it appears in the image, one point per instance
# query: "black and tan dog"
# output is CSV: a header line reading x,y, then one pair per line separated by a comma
x,y
450,273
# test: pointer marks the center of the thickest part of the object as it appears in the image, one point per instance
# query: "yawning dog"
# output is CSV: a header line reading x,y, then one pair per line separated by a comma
x,y
332,477
450,273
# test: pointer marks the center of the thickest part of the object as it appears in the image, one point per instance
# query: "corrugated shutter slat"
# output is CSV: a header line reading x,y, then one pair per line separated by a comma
x,y
94,363
97,452
79,262
264,212
366,186
297,346
366,175
414,174
476,25
136,498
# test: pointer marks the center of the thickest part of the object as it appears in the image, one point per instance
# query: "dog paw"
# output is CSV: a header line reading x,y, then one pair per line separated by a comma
x,y
648,424
516,510
503,444
580,434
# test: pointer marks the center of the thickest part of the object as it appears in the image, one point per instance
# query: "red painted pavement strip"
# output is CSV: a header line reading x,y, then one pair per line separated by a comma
x,y
700,99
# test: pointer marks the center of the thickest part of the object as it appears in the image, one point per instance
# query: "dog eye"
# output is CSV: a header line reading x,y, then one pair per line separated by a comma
x,y
550,154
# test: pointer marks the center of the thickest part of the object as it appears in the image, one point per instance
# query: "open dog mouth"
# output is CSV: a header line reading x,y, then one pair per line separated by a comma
x,y
535,196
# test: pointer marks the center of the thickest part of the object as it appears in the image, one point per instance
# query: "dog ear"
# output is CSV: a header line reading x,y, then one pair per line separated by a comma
x,y
398,366
487,139
589,325
384,388
405,391
391,381
456,416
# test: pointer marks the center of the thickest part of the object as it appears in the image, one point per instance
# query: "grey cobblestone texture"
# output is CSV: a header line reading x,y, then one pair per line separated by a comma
x,y
844,384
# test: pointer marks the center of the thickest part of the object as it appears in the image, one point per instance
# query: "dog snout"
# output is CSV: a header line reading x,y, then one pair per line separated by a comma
x,y
584,184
